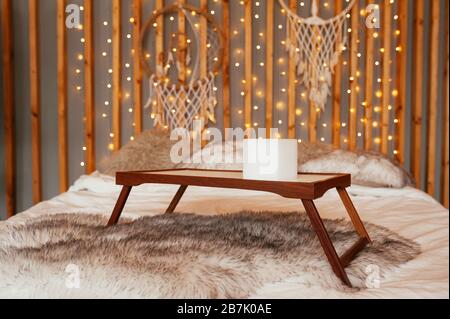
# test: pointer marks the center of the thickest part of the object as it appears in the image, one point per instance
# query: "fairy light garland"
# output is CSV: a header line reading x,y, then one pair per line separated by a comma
x,y
106,52
79,61
126,96
237,63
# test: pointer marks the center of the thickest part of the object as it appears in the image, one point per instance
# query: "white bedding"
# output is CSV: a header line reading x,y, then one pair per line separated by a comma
x,y
407,211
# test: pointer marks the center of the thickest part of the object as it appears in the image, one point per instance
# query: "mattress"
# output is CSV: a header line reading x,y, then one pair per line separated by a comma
x,y
408,211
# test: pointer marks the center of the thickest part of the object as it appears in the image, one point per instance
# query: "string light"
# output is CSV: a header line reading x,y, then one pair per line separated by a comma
x,y
79,63
257,88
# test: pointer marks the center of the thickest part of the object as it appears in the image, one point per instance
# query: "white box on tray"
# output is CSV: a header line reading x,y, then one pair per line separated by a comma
x,y
270,159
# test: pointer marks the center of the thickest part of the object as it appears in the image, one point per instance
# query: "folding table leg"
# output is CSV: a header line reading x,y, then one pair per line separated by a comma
x,y
120,204
351,210
176,199
325,241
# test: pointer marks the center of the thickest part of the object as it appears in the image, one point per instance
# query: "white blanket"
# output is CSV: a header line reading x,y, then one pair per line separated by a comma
x,y
407,211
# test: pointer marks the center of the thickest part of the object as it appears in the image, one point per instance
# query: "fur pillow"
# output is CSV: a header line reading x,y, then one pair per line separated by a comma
x,y
367,168
232,155
149,151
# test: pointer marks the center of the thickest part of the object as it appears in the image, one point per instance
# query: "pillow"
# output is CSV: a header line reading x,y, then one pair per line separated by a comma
x,y
232,155
310,151
367,168
149,151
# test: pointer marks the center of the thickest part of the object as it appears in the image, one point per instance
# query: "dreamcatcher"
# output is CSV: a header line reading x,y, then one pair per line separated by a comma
x,y
316,44
177,104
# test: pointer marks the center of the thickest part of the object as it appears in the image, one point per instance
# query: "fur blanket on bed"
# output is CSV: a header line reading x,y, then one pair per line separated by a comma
x,y
183,255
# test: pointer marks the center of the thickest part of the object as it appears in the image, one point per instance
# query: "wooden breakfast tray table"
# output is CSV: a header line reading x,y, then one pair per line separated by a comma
x,y
308,187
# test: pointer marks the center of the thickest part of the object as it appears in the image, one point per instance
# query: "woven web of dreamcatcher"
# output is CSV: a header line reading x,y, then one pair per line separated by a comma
x,y
176,106
315,45
197,102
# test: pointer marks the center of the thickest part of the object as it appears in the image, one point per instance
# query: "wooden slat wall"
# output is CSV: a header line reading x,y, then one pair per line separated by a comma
x,y
402,66
8,102
419,143
226,64
89,85
117,87
203,44
248,62
417,91
352,124
35,97
433,83
312,123
159,45
182,59
137,70
336,102
313,110
368,87
203,40
62,96
445,118
269,64
386,84
291,83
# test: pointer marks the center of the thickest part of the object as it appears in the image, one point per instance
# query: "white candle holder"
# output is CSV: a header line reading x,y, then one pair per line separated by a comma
x,y
270,159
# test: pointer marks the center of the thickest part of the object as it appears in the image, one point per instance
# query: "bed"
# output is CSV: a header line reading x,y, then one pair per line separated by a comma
x,y
407,211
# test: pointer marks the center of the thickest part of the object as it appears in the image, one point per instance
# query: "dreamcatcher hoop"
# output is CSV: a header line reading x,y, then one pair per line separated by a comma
x,y
316,45
178,104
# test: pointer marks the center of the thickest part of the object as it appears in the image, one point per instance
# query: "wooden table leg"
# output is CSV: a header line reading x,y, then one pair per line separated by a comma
x,y
325,241
176,199
351,210
119,205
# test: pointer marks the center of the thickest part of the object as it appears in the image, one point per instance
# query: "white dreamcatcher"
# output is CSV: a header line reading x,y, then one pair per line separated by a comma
x,y
316,45
176,105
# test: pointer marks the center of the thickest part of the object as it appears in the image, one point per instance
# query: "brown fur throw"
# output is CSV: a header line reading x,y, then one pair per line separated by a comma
x,y
149,151
182,255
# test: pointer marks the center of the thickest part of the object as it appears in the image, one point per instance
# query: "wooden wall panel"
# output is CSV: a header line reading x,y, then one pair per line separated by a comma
x,y
433,87
445,119
368,86
270,14
203,40
417,94
159,45
386,84
417,104
312,123
182,49
226,64
292,76
137,69
62,96
89,85
8,106
35,97
117,85
353,106
248,62
203,45
336,98
445,145
402,68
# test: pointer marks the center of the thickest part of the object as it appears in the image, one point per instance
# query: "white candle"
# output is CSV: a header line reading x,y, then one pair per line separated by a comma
x,y
270,159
